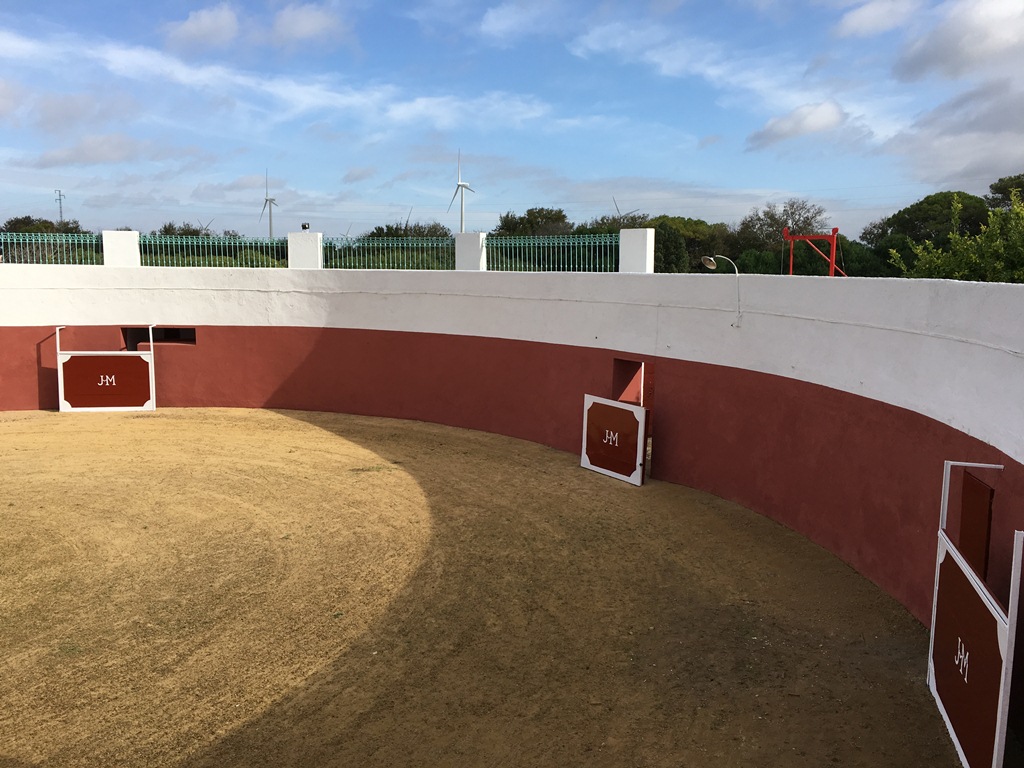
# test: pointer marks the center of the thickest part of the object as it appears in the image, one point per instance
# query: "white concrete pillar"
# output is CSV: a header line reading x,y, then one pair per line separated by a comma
x,y
305,250
636,250
121,249
471,251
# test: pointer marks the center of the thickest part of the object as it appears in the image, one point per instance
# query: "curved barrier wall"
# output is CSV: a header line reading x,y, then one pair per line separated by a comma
x,y
829,406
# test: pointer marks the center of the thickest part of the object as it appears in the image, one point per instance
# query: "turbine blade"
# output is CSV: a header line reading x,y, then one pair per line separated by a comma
x,y
457,188
466,186
617,211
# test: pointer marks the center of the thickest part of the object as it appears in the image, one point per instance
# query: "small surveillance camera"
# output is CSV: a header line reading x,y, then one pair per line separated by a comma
x,y
305,225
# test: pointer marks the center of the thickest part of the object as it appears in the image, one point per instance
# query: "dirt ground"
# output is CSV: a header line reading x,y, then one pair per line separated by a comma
x,y
251,588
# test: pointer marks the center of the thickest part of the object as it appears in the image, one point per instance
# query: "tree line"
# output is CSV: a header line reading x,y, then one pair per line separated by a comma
x,y
947,235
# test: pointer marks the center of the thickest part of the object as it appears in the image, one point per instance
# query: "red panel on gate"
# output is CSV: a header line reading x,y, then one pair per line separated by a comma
x,y
611,438
106,381
967,662
614,439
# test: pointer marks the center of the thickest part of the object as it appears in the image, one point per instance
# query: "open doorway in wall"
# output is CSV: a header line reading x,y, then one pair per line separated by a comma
x,y
976,522
628,381
631,383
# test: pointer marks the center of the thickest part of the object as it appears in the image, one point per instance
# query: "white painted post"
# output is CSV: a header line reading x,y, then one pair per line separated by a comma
x,y
305,250
636,250
471,251
121,249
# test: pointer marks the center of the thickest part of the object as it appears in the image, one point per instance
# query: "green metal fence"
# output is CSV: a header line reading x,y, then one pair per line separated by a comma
x,y
389,253
553,253
544,253
50,248
205,251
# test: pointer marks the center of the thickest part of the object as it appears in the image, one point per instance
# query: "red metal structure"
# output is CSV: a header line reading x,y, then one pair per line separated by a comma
x,y
830,239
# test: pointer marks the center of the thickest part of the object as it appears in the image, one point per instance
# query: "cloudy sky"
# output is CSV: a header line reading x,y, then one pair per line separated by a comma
x,y
356,110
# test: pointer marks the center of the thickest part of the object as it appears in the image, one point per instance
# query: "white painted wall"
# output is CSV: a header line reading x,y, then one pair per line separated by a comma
x,y
121,248
470,251
951,351
305,250
636,250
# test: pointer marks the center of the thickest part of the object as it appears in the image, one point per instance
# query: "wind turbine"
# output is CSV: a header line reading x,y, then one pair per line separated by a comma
x,y
619,213
461,187
268,202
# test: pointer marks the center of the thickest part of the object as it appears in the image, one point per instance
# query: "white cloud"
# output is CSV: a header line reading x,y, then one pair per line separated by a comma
x,y
138,63
749,83
516,18
106,149
11,97
807,119
619,37
290,96
975,135
774,84
214,27
447,112
238,188
972,36
17,47
284,98
61,113
354,175
302,23
877,16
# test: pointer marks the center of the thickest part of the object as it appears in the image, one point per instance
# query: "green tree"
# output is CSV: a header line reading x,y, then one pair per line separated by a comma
x,y
857,260
182,230
931,219
670,253
758,262
611,225
696,237
994,254
405,229
761,229
536,221
1002,189
33,224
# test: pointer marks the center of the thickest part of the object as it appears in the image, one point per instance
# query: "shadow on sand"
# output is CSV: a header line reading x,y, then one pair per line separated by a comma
x,y
564,618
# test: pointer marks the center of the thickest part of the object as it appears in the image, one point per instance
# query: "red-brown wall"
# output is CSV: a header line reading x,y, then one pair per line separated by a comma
x,y
859,477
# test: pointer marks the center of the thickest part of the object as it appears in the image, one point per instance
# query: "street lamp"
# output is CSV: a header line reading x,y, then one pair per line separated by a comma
x,y
711,262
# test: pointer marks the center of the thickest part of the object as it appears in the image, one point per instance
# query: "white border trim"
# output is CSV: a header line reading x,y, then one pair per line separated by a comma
x,y
637,476
64,355
1006,623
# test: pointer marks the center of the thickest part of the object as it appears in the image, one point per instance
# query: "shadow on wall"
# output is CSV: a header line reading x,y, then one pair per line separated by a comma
x,y
46,372
33,375
857,476
520,389
559,617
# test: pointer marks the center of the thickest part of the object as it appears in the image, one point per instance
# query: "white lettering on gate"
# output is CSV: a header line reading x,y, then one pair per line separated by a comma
x,y
961,658
107,381
611,438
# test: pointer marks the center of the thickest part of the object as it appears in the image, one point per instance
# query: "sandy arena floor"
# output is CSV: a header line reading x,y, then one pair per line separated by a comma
x,y
251,588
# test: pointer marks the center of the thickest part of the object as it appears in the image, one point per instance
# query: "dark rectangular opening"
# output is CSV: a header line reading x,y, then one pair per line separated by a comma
x,y
628,381
135,336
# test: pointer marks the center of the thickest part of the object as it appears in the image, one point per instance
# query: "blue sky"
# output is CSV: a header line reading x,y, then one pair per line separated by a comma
x,y
142,113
